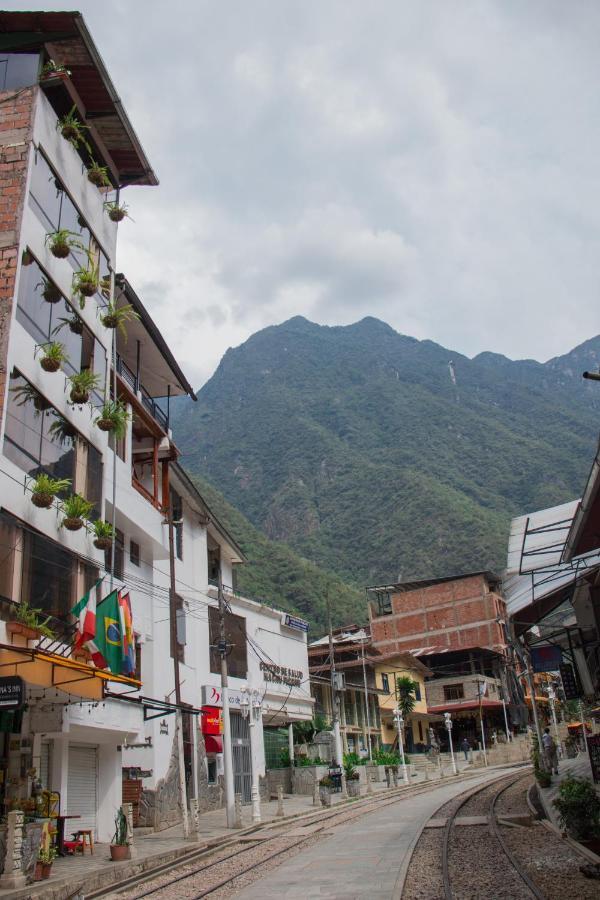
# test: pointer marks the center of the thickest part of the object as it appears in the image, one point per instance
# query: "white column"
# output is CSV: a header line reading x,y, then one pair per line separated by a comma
x,y
110,790
291,743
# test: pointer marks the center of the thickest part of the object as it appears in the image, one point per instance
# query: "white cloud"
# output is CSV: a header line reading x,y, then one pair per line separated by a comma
x,y
431,164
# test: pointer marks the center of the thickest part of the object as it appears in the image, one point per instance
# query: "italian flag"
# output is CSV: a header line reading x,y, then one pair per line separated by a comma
x,y
85,613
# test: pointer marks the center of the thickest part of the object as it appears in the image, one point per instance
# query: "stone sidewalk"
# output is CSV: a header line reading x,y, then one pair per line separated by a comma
x,y
75,875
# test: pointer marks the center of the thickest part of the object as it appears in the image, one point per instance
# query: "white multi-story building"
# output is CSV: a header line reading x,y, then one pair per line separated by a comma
x,y
80,728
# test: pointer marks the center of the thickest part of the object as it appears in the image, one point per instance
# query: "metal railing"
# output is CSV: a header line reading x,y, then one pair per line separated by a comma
x,y
147,401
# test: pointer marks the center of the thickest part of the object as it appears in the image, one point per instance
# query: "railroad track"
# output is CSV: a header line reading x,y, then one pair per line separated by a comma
x,y
495,834
236,860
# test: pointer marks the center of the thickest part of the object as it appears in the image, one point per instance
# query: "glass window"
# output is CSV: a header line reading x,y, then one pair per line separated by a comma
x,y
48,575
18,70
93,482
33,312
417,691
177,513
453,692
47,192
134,553
235,635
119,555
385,682
8,555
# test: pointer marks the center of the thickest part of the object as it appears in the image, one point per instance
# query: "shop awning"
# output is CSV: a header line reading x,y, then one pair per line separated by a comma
x,y
213,743
47,670
465,705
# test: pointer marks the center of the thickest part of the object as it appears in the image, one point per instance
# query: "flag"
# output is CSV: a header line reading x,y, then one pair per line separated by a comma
x,y
85,612
107,646
128,645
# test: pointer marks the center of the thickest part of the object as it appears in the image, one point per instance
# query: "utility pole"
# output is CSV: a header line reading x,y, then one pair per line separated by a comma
x,y
479,684
227,756
175,655
335,700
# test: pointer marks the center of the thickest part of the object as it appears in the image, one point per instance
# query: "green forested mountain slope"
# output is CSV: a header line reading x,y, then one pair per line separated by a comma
x,y
282,578
355,446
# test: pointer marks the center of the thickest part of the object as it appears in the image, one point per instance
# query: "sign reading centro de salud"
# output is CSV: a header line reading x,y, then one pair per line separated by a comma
x,y
11,692
281,674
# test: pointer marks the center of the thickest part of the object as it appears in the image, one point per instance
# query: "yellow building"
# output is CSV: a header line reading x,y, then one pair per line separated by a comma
x,y
387,670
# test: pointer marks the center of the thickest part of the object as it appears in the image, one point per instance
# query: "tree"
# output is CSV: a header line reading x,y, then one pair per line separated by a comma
x,y
406,693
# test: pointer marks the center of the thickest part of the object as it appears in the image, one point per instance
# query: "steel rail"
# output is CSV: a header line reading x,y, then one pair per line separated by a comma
x,y
495,829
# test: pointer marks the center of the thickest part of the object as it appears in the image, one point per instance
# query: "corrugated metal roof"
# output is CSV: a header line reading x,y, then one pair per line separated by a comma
x,y
538,539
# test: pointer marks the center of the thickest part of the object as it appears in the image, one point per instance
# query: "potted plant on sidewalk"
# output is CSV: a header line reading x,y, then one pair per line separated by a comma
x,y
352,778
103,534
578,808
325,786
113,417
53,355
76,509
119,848
82,384
46,858
44,489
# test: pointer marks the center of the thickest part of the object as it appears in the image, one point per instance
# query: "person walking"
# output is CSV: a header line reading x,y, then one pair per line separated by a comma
x,y
465,747
550,754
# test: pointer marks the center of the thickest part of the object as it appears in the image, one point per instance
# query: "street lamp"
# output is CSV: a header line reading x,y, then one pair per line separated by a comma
x,y
251,706
400,726
448,724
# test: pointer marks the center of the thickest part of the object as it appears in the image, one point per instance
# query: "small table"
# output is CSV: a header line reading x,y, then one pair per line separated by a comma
x,y
60,833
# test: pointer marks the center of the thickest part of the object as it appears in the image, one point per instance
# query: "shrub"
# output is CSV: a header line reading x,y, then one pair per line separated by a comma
x,y
578,808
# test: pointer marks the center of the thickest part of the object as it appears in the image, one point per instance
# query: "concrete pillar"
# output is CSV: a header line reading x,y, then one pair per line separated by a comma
x,y
194,819
237,821
128,813
291,743
110,790
279,800
13,876
316,794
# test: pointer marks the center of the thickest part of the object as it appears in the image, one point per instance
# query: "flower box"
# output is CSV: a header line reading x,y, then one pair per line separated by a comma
x,y
31,634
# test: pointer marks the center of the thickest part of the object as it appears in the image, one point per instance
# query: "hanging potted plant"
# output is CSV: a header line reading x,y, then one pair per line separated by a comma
x,y
76,508
74,324
26,393
50,292
98,175
85,280
103,534
53,355
27,258
71,127
119,847
62,430
28,623
61,242
44,489
114,418
116,212
116,317
82,384
51,70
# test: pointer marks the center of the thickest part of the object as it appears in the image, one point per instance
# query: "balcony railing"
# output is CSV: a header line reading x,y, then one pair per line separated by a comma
x,y
147,401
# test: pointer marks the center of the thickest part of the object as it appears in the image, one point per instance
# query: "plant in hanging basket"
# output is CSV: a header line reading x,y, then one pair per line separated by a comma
x,y
74,323
82,384
53,70
98,175
103,534
44,489
116,317
71,128
26,393
27,258
61,242
116,212
114,418
53,355
75,508
85,280
50,292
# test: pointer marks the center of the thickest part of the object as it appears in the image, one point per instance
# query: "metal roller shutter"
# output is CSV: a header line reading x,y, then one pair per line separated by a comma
x,y
82,788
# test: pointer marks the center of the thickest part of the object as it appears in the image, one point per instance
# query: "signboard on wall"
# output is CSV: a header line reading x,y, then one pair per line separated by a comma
x,y
212,720
211,696
281,674
11,692
546,659
295,622
570,682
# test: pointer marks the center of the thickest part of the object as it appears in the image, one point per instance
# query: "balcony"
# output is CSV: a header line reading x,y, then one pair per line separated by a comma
x,y
149,404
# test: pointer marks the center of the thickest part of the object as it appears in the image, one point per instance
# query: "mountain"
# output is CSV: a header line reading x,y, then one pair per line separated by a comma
x,y
380,457
281,578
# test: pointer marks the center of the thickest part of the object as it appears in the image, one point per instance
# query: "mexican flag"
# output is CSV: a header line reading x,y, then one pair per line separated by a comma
x,y
85,613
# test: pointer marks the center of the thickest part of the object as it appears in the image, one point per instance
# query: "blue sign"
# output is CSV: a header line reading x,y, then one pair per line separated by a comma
x,y
295,622
546,659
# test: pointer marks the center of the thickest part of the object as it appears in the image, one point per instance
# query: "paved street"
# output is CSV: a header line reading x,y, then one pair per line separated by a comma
x,y
364,859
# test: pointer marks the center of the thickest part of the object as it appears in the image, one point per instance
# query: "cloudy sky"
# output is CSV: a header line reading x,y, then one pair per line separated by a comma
x,y
435,164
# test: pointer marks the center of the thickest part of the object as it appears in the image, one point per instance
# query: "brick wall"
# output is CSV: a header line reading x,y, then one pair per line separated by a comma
x,y
436,695
16,121
455,614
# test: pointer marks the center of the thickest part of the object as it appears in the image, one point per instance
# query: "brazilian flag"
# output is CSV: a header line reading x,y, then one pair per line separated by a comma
x,y
107,646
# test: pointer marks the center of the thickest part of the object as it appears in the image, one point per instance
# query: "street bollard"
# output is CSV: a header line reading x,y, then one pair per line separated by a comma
x,y
13,876
256,817
395,776
369,783
426,772
194,819
279,812
238,811
316,794
387,776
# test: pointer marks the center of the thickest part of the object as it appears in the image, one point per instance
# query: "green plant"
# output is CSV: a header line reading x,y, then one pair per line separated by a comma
x,y
71,128
85,282
578,808
77,507
120,835
30,617
104,533
116,212
51,68
44,489
350,771
326,782
98,175
113,417
53,354
284,757
61,242
385,758
116,317
26,393
62,430
50,292
74,324
82,384
406,693
48,856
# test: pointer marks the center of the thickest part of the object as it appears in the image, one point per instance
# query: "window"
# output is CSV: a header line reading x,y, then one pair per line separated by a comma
x,y
453,692
134,553
214,564
235,635
49,575
18,70
211,769
417,691
119,555
385,683
177,513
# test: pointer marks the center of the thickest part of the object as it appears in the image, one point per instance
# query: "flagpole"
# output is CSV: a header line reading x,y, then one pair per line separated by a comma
x,y
114,439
